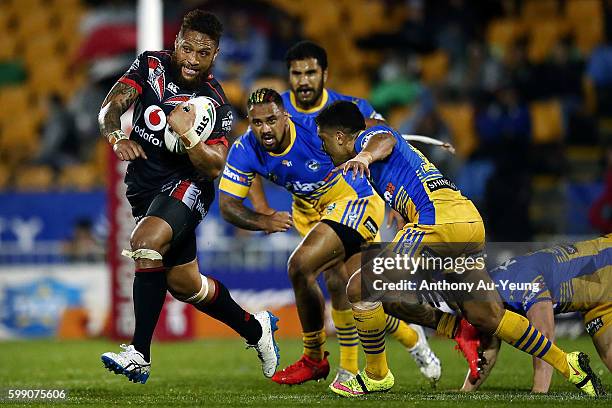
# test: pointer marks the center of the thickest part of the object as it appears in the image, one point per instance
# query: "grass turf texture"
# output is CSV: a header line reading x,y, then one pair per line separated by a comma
x,y
223,373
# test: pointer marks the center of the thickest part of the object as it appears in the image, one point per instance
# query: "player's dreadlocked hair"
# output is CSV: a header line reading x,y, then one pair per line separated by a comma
x,y
342,115
203,22
265,95
304,50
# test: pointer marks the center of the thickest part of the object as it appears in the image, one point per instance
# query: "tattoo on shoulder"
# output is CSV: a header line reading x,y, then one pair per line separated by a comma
x,y
123,94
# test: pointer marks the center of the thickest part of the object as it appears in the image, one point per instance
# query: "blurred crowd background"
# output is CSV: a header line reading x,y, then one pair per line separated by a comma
x,y
520,87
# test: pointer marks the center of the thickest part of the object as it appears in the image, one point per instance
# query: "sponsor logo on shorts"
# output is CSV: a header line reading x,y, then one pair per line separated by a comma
x,y
149,137
313,165
371,225
593,326
440,183
331,208
155,118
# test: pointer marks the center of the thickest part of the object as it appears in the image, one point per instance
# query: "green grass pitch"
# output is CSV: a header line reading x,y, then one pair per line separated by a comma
x,y
222,373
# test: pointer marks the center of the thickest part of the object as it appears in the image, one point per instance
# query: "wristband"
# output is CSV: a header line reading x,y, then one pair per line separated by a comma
x,y
116,136
190,138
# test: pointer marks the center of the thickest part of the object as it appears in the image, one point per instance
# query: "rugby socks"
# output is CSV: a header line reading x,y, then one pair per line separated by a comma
x,y
347,339
370,322
149,291
223,308
314,344
518,331
447,325
401,332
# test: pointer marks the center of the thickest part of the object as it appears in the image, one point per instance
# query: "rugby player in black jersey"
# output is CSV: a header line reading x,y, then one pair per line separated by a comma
x,y
171,193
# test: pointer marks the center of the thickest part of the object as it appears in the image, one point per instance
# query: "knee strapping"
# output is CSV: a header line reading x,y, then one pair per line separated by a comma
x,y
143,253
201,295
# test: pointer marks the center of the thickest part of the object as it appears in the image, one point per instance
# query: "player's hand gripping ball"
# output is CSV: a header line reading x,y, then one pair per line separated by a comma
x,y
184,129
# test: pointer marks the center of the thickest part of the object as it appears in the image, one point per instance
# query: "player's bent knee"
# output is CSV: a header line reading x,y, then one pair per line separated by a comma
x,y
334,281
353,288
295,268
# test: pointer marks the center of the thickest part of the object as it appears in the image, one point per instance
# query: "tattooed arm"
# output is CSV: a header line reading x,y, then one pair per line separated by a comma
x,y
116,103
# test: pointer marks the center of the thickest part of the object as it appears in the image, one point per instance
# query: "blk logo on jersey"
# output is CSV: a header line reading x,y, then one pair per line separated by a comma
x,y
172,87
155,118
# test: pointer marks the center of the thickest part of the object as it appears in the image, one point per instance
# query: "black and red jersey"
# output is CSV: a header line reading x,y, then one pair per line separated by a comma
x,y
153,76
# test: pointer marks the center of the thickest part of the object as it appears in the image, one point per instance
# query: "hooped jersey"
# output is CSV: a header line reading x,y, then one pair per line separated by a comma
x,y
154,77
413,186
574,277
304,169
329,97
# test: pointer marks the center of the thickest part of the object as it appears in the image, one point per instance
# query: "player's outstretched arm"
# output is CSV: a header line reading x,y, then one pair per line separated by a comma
x,y
377,148
542,317
116,103
235,212
258,197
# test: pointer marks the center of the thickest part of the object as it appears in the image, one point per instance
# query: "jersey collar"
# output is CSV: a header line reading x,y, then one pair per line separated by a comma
x,y
317,108
292,135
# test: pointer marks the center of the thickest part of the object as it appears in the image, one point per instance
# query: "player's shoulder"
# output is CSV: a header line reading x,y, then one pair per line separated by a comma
x,y
304,123
286,96
213,89
334,96
245,142
164,57
376,130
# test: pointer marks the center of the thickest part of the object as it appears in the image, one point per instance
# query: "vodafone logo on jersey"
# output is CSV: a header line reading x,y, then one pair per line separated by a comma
x,y
155,118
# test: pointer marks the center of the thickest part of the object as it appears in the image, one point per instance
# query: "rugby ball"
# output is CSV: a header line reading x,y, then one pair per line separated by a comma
x,y
205,116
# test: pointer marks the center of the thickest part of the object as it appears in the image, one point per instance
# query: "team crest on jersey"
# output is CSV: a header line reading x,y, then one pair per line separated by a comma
x,y
157,78
313,165
155,118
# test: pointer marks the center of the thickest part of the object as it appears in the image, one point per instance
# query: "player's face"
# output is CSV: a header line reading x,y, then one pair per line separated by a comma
x,y
194,54
306,80
336,144
269,123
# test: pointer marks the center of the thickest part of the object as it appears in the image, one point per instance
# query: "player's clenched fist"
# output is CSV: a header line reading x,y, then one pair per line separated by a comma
x,y
127,150
182,118
279,221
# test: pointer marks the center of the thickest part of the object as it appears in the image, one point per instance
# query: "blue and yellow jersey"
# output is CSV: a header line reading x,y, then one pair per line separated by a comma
x,y
414,187
575,277
329,97
305,171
